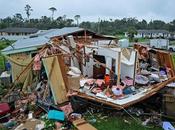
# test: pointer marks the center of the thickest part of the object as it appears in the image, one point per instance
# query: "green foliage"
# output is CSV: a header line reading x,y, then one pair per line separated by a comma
x,y
2,63
117,26
131,32
107,27
42,23
49,124
5,43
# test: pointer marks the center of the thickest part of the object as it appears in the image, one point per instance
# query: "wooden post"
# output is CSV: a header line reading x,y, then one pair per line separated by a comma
x,y
119,66
135,67
85,35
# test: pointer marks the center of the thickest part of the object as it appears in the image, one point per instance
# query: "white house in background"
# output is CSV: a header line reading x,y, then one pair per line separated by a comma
x,y
152,34
16,33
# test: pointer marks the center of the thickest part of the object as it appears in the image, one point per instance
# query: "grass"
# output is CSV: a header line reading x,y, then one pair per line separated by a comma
x,y
3,44
121,36
172,42
143,40
117,123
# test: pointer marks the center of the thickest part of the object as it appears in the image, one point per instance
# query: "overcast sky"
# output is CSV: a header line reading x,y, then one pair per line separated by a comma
x,y
91,10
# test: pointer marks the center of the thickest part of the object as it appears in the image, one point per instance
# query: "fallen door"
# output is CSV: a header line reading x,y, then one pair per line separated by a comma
x,y
56,78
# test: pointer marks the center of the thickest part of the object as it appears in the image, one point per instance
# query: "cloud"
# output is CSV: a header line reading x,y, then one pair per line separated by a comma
x,y
93,9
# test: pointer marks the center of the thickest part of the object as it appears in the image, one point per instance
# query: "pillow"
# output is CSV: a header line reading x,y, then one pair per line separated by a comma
x,y
75,70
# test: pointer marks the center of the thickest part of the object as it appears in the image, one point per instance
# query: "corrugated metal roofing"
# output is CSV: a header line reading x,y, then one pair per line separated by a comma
x,y
59,32
25,43
39,39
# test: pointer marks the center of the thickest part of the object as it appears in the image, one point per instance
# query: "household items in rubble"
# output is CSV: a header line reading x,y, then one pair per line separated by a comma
x,y
4,112
145,72
141,80
81,124
118,90
167,126
10,124
143,53
154,78
99,88
4,109
128,81
31,124
74,71
163,74
37,63
67,109
129,90
74,116
56,115
107,79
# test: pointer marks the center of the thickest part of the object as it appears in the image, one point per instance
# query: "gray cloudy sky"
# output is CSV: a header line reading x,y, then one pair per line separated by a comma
x,y
91,10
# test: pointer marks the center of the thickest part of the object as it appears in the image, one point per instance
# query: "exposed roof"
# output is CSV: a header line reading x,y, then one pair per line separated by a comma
x,y
39,39
27,44
152,31
58,32
19,30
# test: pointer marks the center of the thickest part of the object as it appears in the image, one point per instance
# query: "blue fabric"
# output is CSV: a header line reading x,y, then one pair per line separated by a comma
x,y
167,126
56,115
127,90
7,66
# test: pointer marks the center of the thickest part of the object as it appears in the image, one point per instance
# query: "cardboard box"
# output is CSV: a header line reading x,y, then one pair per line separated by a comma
x,y
169,104
73,83
81,124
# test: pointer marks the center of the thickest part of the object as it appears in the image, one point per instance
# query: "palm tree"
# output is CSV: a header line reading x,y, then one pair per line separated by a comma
x,y
28,10
77,17
52,9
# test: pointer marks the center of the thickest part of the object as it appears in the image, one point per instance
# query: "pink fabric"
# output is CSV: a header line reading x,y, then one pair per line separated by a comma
x,y
99,82
67,109
96,90
58,125
90,81
37,58
37,63
128,82
80,45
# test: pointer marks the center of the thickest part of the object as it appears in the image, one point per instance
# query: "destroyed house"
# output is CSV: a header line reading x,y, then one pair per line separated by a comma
x,y
22,51
82,64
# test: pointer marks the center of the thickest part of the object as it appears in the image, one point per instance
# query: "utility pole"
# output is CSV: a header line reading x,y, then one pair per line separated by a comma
x,y
98,25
